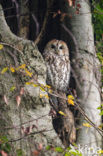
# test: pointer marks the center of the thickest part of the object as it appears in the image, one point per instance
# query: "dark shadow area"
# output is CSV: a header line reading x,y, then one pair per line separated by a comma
x,y
11,14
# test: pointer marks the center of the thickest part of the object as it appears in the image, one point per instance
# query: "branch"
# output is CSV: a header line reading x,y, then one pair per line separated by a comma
x,y
7,37
24,123
5,33
73,38
44,23
33,133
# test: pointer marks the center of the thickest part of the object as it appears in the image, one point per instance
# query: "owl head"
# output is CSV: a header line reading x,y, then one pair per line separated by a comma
x,y
56,47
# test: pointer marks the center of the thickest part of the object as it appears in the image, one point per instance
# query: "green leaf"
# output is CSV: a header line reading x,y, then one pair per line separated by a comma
x,y
7,148
19,152
101,113
3,139
67,154
4,70
69,148
48,147
59,149
99,107
78,153
73,152
74,144
12,88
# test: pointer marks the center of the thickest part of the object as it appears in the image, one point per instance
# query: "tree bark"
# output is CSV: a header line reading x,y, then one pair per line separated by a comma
x,y
24,19
85,66
21,111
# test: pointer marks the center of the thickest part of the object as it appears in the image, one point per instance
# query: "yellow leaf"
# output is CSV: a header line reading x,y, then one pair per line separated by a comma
x,y
42,89
70,97
4,70
60,112
86,125
71,100
100,152
12,88
42,85
21,67
12,69
47,86
100,126
46,96
35,85
41,95
50,91
1,46
28,73
29,83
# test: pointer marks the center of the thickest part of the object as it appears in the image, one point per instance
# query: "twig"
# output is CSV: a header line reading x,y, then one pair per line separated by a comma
x,y
17,126
34,133
72,36
44,25
11,46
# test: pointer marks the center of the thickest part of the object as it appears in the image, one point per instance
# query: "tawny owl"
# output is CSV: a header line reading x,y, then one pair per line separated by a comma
x,y
56,55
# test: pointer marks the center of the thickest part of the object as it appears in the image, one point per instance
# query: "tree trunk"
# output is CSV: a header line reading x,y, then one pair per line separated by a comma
x,y
86,68
24,116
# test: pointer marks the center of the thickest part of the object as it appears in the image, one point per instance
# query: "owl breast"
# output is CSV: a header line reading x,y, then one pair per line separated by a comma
x,y
58,73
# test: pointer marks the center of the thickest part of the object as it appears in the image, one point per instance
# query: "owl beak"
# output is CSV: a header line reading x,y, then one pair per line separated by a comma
x,y
56,51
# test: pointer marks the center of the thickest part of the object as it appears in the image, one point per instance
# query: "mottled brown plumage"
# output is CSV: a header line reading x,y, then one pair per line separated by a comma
x,y
56,56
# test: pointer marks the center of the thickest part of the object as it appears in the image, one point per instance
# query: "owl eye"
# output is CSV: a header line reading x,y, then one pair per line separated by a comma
x,y
53,46
61,47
